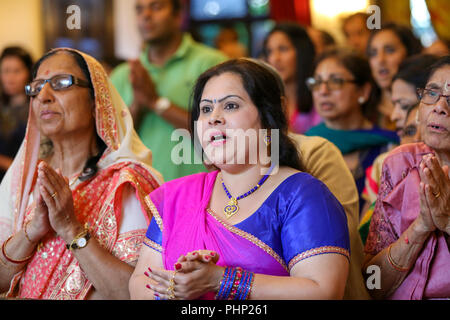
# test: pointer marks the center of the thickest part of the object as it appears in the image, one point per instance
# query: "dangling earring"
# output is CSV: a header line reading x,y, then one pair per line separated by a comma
x,y
361,100
267,140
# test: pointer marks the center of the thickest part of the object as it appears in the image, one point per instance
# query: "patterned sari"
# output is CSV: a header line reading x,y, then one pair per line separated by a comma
x,y
299,219
53,272
397,206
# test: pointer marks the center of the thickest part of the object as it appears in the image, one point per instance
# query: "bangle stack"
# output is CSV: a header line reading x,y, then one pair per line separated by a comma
x,y
236,284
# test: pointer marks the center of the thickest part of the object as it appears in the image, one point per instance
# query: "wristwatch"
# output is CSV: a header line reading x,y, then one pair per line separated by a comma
x,y
161,105
80,241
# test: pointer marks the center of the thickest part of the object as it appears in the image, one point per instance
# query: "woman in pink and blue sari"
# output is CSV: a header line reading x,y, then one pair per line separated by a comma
x,y
256,228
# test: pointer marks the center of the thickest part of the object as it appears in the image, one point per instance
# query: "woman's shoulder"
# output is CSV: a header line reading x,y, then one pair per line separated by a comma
x,y
301,184
408,154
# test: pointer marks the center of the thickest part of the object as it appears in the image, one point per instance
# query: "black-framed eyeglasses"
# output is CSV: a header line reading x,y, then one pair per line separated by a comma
x,y
431,96
58,82
333,83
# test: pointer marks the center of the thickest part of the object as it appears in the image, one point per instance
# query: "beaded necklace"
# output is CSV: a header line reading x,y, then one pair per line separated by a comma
x,y
232,207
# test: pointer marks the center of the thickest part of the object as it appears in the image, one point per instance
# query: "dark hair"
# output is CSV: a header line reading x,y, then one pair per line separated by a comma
x,y
441,62
405,35
23,56
359,67
305,52
264,91
90,168
415,69
177,6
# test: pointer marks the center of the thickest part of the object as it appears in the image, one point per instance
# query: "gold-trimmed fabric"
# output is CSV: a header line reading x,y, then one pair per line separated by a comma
x,y
251,238
321,250
152,244
154,211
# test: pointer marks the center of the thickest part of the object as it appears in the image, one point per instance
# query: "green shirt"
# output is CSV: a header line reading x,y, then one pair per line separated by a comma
x,y
174,81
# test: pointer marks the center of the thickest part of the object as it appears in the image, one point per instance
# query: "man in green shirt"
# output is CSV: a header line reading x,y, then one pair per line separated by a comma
x,y
157,86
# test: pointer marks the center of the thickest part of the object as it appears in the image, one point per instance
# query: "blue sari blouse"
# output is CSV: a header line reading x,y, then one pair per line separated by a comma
x,y
299,219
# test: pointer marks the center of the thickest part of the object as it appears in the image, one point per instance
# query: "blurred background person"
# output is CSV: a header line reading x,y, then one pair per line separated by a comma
x,y
291,52
321,39
15,73
356,32
342,88
227,41
387,48
438,48
157,86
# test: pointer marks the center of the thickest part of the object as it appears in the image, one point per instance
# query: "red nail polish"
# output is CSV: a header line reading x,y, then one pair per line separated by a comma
x,y
150,269
207,257
146,274
148,286
195,253
178,266
156,294
212,254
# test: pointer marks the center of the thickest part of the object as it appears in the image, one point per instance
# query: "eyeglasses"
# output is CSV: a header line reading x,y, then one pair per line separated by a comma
x,y
332,83
409,131
430,96
58,82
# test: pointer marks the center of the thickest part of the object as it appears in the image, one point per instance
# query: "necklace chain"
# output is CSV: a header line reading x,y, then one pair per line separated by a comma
x,y
232,207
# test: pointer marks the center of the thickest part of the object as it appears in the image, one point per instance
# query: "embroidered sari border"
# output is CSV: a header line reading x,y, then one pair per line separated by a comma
x,y
250,238
153,245
316,251
154,212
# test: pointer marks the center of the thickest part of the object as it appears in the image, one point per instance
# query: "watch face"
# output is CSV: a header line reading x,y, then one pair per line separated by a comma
x,y
81,242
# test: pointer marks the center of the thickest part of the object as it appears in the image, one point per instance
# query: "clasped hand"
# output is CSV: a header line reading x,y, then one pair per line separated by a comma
x,y
195,274
434,195
54,205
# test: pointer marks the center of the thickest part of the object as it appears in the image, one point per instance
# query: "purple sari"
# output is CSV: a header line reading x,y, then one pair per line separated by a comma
x,y
300,219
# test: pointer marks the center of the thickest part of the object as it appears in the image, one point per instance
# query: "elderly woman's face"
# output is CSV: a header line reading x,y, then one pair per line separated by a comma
x,y
435,118
62,112
336,102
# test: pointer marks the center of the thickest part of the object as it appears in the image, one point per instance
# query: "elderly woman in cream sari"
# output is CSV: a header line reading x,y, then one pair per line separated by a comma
x,y
72,209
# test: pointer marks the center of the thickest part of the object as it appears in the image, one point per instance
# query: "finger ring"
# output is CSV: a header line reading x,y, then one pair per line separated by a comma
x,y
437,194
170,290
54,194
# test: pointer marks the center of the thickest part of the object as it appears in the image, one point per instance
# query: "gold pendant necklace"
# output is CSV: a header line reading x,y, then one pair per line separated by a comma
x,y
232,207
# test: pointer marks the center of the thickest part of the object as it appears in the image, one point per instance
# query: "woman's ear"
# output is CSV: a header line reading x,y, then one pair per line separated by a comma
x,y
365,91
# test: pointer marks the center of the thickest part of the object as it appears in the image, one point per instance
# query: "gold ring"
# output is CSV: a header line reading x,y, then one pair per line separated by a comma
x,y
54,194
437,194
170,290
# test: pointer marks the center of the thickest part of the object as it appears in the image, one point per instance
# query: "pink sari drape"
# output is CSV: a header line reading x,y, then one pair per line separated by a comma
x,y
198,228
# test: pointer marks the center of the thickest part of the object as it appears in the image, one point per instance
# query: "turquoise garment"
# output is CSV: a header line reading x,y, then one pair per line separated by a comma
x,y
351,140
174,81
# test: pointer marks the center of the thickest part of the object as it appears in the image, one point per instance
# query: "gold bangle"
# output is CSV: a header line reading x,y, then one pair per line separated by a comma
x,y
11,259
26,233
393,264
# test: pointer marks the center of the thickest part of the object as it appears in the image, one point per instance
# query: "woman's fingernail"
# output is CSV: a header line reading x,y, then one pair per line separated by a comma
x,y
178,266
146,273
148,286
212,254
150,269
195,253
207,257
156,294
